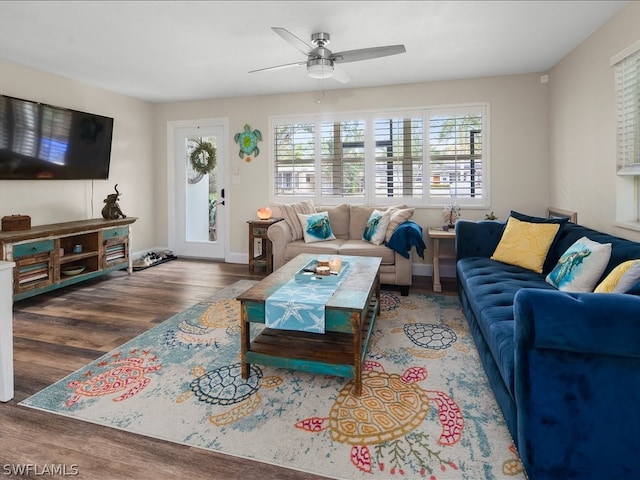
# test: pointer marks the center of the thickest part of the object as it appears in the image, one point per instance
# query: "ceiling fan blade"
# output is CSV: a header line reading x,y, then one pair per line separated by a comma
x,y
289,37
340,74
367,53
280,67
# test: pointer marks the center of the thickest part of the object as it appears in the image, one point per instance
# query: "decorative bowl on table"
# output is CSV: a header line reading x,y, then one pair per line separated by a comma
x,y
71,271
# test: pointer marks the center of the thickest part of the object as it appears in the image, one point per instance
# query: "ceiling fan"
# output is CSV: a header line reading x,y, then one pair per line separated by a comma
x,y
321,62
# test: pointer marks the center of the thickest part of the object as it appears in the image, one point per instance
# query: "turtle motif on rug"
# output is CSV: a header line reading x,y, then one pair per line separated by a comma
x,y
225,386
390,407
128,374
204,331
433,338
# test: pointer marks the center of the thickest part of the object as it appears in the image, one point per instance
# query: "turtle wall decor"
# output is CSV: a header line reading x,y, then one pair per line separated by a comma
x,y
248,141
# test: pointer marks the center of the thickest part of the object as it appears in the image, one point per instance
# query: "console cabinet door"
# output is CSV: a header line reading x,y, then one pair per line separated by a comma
x,y
34,266
115,246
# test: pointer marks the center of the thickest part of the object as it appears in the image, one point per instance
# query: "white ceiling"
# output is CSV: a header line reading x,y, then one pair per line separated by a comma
x,y
166,51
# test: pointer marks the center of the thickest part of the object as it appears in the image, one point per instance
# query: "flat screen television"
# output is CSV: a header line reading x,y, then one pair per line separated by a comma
x,y
39,141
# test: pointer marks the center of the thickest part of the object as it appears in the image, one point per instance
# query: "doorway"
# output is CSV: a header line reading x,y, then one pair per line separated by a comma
x,y
197,174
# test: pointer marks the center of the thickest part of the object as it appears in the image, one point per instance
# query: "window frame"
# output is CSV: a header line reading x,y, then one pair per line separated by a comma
x,y
628,177
369,117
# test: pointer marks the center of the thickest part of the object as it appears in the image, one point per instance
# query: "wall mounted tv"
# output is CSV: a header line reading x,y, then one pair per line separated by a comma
x,y
39,141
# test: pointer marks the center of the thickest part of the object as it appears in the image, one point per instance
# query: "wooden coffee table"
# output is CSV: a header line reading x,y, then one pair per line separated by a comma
x,y
349,318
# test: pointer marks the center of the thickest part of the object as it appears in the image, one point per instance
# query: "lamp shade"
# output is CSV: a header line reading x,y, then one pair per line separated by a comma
x,y
320,68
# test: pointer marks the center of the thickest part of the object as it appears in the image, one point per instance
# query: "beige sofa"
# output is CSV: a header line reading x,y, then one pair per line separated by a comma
x,y
347,223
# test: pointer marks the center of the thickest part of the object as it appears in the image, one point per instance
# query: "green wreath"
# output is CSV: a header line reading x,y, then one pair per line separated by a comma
x,y
203,157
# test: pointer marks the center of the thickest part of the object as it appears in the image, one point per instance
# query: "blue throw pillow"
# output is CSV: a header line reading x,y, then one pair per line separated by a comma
x,y
581,266
316,227
528,218
376,228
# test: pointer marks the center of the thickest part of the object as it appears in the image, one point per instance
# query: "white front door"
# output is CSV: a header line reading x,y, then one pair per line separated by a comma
x,y
199,177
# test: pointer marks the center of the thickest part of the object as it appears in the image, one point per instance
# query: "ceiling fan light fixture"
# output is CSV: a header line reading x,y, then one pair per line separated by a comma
x,y
320,68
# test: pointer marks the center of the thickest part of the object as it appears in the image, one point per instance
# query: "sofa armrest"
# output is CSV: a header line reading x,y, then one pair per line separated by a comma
x,y
404,270
280,235
477,239
589,323
577,383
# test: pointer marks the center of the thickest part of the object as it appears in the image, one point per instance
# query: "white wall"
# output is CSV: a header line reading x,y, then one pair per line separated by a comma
x,y
132,162
582,125
551,144
519,146
519,169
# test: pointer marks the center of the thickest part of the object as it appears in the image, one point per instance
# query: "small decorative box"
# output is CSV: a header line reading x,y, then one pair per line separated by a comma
x,y
16,222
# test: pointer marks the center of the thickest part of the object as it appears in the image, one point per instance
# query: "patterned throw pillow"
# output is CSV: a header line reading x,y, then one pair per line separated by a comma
x,y
525,244
580,267
316,227
290,214
398,217
621,278
376,227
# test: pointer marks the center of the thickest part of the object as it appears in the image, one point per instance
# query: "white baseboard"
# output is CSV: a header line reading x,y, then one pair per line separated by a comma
x,y
426,270
418,269
238,258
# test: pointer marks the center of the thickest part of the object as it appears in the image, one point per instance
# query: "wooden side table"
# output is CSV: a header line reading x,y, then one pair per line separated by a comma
x,y
436,234
258,231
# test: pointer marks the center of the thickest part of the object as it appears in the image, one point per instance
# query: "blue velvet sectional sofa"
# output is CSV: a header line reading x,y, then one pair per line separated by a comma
x,y
564,367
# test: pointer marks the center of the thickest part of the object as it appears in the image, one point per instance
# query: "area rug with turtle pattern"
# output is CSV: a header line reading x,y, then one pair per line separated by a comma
x,y
426,409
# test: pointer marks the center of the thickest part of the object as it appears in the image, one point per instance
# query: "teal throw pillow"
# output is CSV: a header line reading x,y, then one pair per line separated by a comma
x,y
376,228
316,227
580,266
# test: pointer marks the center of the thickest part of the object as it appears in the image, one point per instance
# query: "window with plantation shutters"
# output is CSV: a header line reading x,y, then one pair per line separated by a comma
x,y
398,156
627,72
456,155
342,159
294,162
415,157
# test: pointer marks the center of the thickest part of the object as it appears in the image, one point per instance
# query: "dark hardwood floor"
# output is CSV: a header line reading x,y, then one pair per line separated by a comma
x,y
59,332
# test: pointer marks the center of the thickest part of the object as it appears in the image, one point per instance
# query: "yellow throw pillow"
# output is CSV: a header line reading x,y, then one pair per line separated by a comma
x,y
525,244
621,278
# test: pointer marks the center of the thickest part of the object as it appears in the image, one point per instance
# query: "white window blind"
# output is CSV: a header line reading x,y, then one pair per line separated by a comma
x,y
416,157
398,157
627,72
294,160
342,160
456,155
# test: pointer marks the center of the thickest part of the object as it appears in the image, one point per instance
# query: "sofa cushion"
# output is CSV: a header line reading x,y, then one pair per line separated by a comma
x,y
316,227
490,287
339,218
622,249
358,217
549,262
290,214
580,267
525,244
329,247
399,215
634,290
376,227
366,249
621,279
